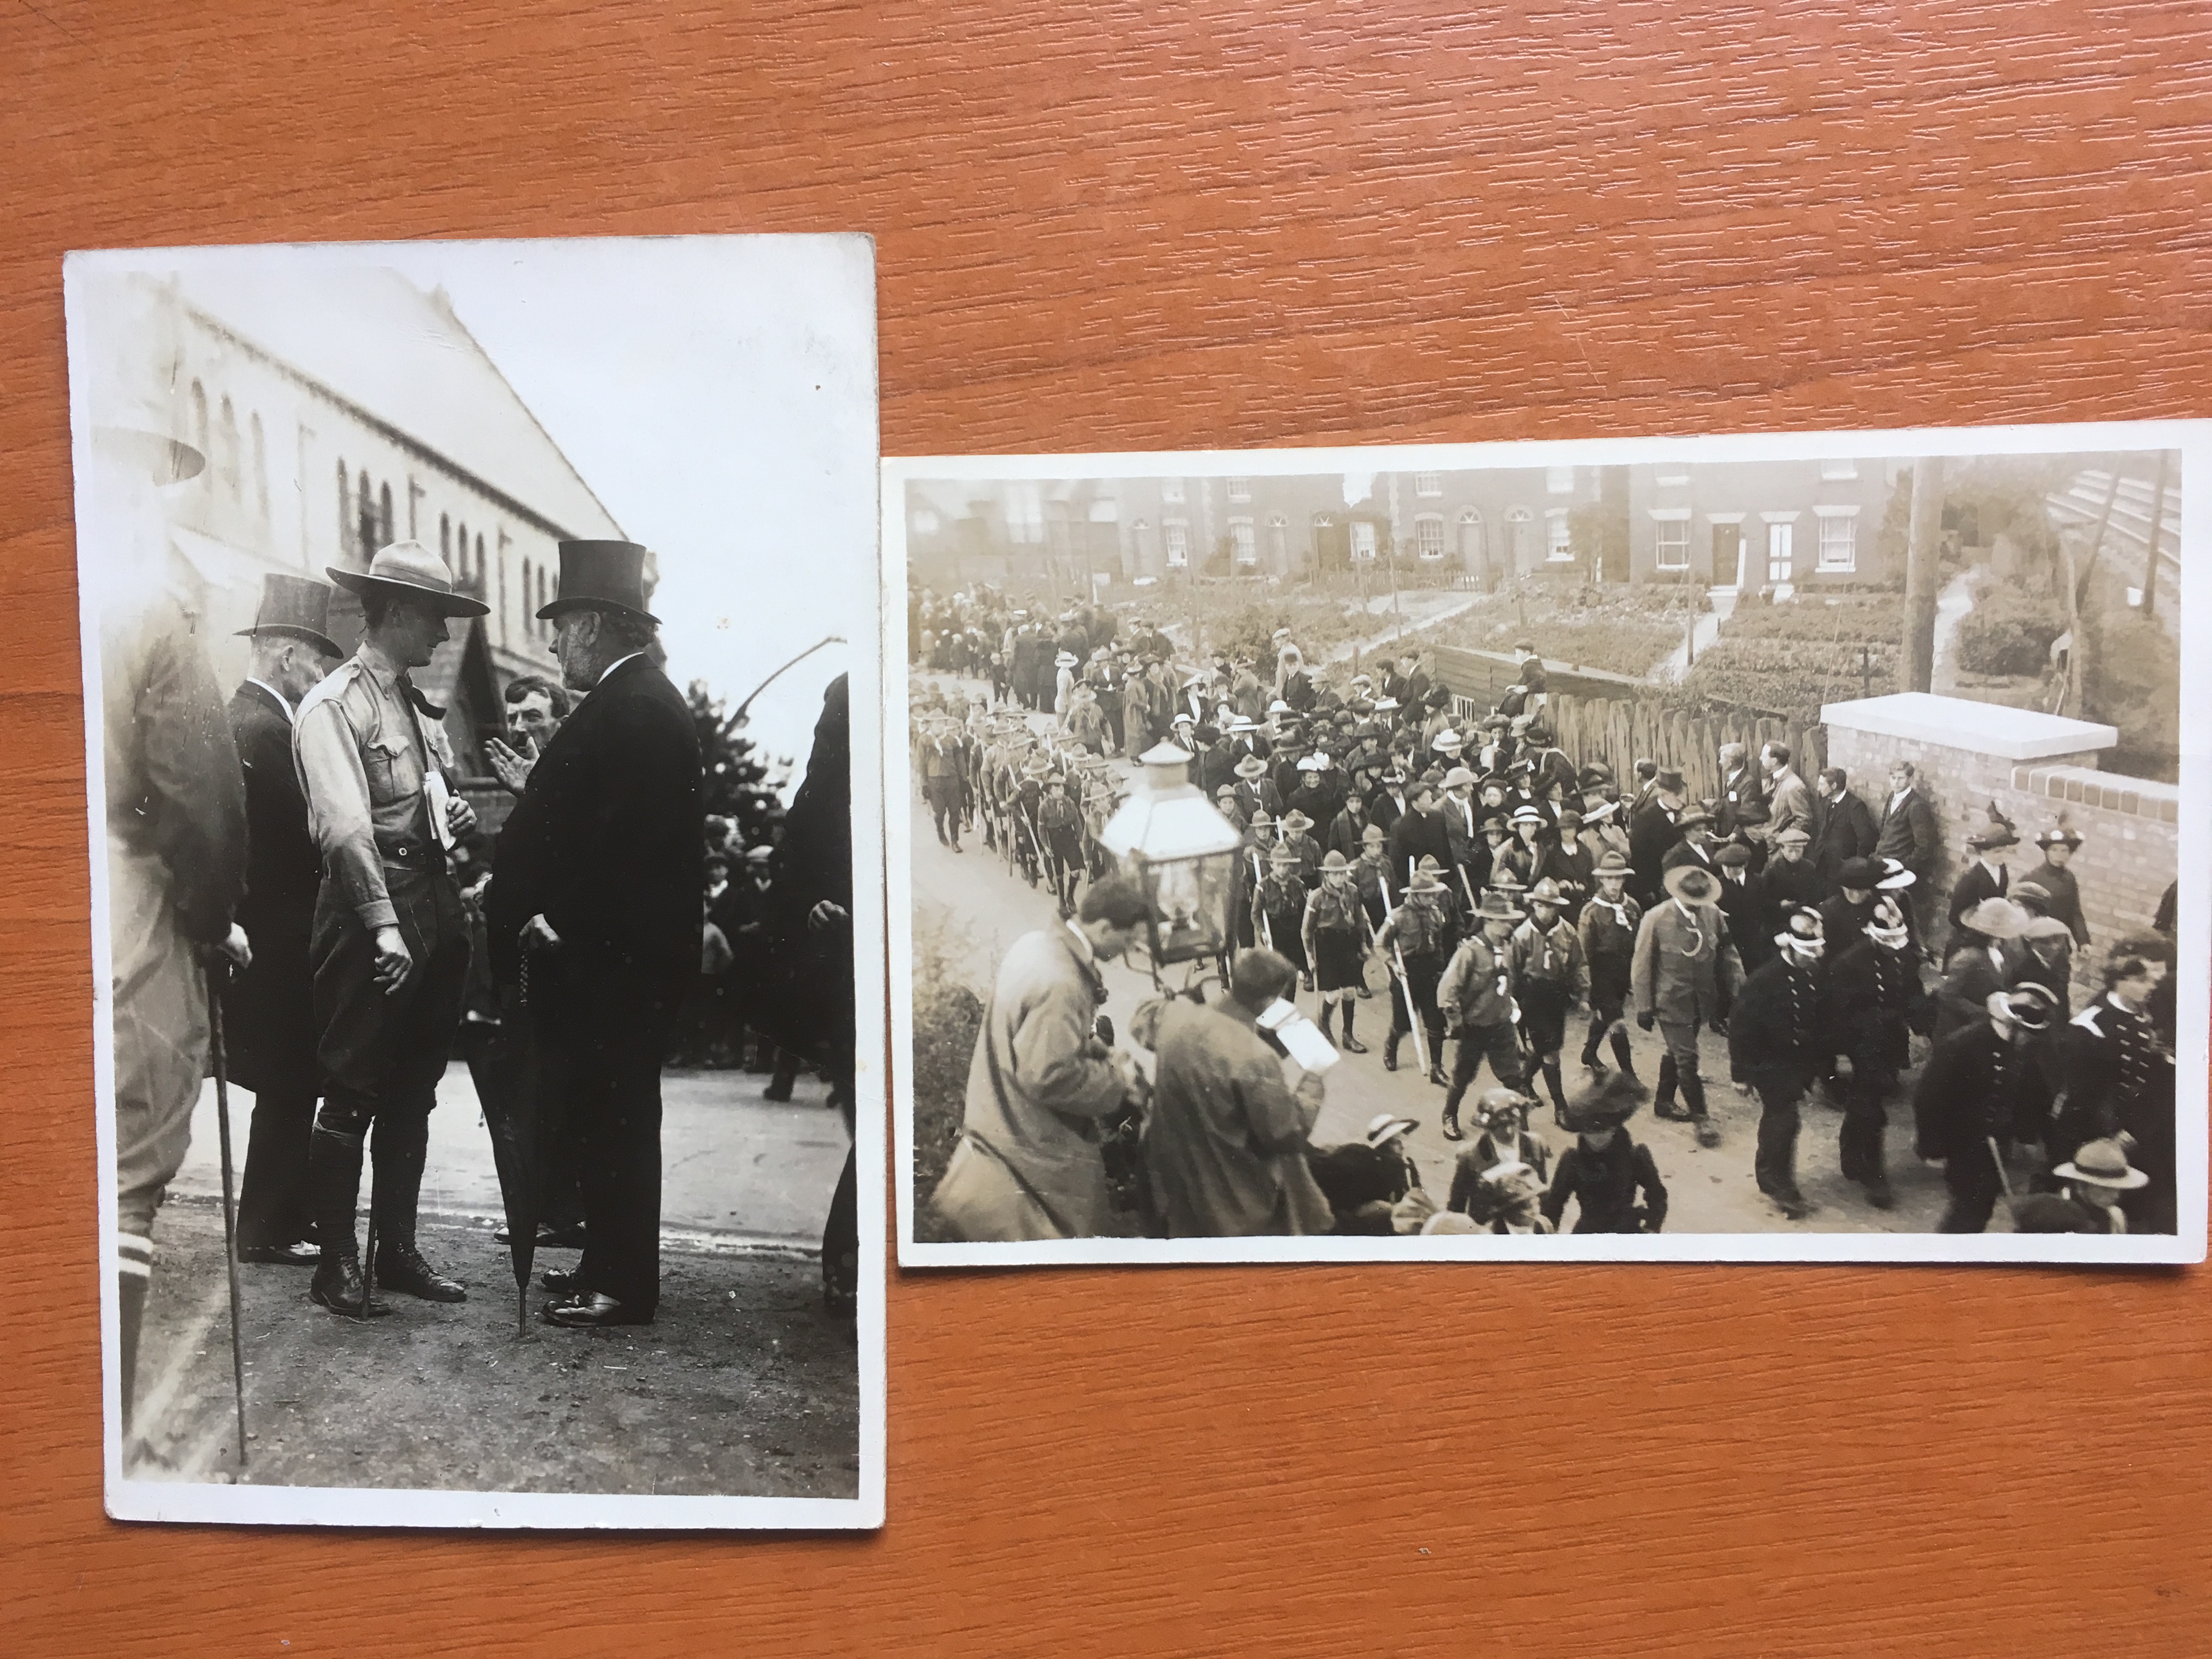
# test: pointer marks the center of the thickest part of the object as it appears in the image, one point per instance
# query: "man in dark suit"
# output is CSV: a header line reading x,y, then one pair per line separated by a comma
x,y
1421,834
1907,830
268,1011
1652,834
596,886
1842,828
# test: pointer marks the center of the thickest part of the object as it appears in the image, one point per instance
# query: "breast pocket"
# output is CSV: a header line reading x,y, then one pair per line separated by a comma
x,y
390,767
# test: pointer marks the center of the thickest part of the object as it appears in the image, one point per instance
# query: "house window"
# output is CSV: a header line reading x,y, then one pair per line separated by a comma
x,y
1429,535
1240,490
365,516
1559,540
1175,537
260,468
1363,540
1244,545
1673,547
384,511
1840,471
227,437
1428,483
1559,481
1171,491
476,564
1838,540
1278,541
1780,565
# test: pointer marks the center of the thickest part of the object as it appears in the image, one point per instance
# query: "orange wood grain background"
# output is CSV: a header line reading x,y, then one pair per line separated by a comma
x,y
1220,223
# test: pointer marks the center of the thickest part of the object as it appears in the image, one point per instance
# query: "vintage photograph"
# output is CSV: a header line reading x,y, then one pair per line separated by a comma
x,y
1759,848
479,660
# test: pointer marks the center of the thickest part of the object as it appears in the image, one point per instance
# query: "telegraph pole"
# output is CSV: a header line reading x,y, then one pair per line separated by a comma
x,y
1920,573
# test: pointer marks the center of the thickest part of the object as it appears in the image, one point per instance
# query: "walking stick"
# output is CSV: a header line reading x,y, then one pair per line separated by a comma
x,y
1406,987
214,977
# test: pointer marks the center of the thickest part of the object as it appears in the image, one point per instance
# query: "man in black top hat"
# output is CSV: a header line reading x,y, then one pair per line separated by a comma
x,y
595,888
390,942
1652,834
268,1011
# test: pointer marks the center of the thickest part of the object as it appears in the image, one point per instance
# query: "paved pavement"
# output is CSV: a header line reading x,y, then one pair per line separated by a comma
x,y
737,1170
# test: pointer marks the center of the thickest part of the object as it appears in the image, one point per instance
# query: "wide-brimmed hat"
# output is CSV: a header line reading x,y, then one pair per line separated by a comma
x,y
1065,660
1601,814
1547,892
2027,1004
1496,822
1895,877
1386,705
1295,820
1996,918
1260,819
1385,1125
602,576
1998,832
2046,927
1527,814
1594,776
1373,832
1227,792
1446,741
409,568
1334,859
1278,707
294,608
1430,863
1497,906
1251,767
1860,875
1692,883
2102,1164
2058,834
1423,882
1314,762
1611,862
1606,1104
1695,818
1458,776
1503,880
1284,855
1241,724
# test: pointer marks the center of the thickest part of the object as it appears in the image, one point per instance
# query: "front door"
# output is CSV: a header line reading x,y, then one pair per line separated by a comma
x,y
1728,553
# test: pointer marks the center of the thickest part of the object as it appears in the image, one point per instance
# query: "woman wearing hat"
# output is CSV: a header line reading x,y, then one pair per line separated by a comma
x,y
1980,963
1334,933
1981,1093
1502,1117
1365,1179
1478,995
1606,1171
1987,877
1685,975
2059,844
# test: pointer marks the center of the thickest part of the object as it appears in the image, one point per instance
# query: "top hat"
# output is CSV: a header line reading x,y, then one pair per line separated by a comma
x,y
1669,779
604,576
2102,1164
294,608
410,567
1692,883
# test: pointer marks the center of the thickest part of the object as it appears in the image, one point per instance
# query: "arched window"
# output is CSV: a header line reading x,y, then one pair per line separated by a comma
x,y
200,433
384,511
260,467
365,518
227,441
345,511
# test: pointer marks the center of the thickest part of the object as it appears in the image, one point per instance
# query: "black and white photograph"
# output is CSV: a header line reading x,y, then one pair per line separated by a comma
x,y
1747,848
480,658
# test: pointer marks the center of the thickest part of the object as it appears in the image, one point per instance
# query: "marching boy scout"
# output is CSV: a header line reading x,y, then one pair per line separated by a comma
x,y
390,943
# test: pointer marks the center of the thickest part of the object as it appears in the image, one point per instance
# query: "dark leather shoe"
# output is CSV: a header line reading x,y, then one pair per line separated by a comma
x,y
337,1285
1352,1045
401,1267
564,1283
591,1310
297,1254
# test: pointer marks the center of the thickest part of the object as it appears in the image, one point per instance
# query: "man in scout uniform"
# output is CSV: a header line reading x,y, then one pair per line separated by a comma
x,y
268,1011
1550,975
1607,926
1371,874
1061,825
1685,973
1296,826
1331,930
1281,903
391,943
1419,932
1477,996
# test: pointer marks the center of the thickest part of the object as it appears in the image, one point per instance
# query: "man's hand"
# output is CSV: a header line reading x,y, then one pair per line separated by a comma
x,y
1646,1020
825,915
460,817
1312,1087
236,948
394,963
510,768
537,934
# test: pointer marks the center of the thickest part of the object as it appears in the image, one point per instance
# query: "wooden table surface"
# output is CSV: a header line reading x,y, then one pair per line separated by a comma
x,y
1213,224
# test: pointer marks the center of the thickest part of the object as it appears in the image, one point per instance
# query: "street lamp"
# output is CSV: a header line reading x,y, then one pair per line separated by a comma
x,y
1183,854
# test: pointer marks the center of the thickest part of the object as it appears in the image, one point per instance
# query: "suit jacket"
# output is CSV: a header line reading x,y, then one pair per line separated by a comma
x,y
268,1010
1975,885
1907,832
1976,1086
1651,833
1789,803
608,841
1842,829
1970,980
1413,837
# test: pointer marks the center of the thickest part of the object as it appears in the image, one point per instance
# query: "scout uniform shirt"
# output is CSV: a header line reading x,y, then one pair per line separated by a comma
x,y
1478,986
1551,955
365,761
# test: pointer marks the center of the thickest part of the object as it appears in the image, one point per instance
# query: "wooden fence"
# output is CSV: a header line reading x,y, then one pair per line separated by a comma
x,y
1620,731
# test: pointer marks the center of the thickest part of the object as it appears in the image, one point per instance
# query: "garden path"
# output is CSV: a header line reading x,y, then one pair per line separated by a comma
x,y
1676,663
1952,606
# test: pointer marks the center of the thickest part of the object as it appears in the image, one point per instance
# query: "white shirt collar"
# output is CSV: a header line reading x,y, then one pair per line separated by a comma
x,y
283,701
616,664
1082,942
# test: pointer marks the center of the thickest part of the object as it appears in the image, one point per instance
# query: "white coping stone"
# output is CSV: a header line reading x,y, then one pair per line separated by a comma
x,y
1983,728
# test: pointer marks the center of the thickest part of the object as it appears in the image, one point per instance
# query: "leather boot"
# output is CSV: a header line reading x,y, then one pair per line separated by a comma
x,y
1450,1123
1351,1045
1558,1092
400,1266
1327,1013
1625,1056
334,1193
1662,1103
1589,1059
1390,1050
1693,1094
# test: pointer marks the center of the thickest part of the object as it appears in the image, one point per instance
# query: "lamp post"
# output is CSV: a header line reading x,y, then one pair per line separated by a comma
x,y
1181,853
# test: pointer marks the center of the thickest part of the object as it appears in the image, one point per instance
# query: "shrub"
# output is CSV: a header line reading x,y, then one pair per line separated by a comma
x,y
2009,630
1871,618
1791,679
948,1018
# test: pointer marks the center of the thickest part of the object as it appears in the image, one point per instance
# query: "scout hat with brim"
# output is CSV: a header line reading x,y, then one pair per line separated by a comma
x,y
1996,918
294,608
1497,906
1296,821
1611,862
1335,860
2102,1164
600,576
412,569
1423,882
1692,883
1251,767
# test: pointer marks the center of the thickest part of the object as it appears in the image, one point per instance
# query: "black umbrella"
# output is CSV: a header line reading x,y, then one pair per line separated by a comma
x,y
510,1109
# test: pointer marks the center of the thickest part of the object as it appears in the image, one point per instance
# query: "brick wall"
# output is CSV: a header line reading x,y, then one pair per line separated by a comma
x,y
2130,827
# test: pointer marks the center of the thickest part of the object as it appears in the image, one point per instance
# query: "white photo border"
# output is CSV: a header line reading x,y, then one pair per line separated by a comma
x,y
2191,439
127,1499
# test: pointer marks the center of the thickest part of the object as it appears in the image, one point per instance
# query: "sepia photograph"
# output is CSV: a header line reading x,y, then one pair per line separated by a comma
x,y
479,660
1759,848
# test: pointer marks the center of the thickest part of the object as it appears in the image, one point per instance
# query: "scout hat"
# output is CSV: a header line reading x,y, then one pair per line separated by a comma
x,y
1497,906
412,569
1692,883
1611,863
1284,855
601,575
1227,792
294,608
1373,832
1495,825
1423,882
1296,821
1430,863
1251,767
2102,1164
1333,860
1996,918
1547,892
1384,1126
1260,819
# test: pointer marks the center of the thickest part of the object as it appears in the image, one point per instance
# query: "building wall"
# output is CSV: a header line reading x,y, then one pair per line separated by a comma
x,y
2130,826
1668,504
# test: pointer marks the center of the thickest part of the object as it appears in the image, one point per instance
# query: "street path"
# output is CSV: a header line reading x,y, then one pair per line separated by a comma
x,y
1707,629
1952,606
737,1169
1710,1191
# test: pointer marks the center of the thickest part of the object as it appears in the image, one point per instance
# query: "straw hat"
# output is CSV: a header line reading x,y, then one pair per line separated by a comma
x,y
1996,918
